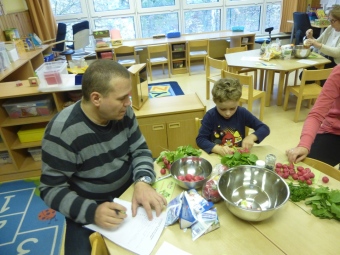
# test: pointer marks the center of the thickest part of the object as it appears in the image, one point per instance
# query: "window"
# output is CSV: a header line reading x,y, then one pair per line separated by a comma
x,y
145,18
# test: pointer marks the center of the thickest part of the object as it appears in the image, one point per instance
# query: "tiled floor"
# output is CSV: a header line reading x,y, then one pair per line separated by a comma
x,y
284,133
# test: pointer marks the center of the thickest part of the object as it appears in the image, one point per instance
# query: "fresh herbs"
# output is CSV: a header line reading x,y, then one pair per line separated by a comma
x,y
299,191
168,157
239,158
325,203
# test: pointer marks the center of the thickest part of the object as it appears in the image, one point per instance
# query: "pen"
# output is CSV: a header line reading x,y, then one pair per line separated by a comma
x,y
263,64
116,210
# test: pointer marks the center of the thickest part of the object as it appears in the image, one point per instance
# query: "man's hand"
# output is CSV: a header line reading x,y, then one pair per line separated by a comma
x,y
297,154
147,197
109,215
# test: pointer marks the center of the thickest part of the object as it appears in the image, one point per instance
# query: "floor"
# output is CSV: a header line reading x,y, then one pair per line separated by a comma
x,y
284,132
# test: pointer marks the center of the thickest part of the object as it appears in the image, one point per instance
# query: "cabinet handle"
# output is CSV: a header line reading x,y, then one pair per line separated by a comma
x,y
158,127
174,125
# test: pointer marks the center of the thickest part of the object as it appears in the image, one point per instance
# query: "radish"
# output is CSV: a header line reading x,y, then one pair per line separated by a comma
x,y
325,179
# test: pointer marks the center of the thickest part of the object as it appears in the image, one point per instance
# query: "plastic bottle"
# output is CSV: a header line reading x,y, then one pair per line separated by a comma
x,y
260,163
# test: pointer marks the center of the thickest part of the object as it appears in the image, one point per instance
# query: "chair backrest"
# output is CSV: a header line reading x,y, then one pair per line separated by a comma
x,y
125,50
245,80
98,246
81,35
313,75
301,25
214,63
323,167
198,124
236,49
158,49
61,35
198,45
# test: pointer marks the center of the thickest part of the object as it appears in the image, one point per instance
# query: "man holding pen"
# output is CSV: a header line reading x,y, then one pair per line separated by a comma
x,y
92,151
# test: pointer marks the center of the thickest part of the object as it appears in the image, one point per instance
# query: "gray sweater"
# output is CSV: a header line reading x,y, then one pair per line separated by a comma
x,y
84,164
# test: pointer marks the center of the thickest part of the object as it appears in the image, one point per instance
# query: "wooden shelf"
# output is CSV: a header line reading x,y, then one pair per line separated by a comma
x,y
29,120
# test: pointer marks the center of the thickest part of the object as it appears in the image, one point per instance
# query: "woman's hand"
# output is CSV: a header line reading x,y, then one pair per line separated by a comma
x,y
297,154
309,33
312,42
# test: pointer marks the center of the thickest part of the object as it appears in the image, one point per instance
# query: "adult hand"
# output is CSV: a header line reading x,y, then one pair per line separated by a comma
x,y
309,33
297,154
146,196
312,42
222,150
248,141
109,215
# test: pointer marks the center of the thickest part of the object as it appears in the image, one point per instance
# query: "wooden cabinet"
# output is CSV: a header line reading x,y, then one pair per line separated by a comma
x,y
249,40
23,165
25,66
178,58
169,122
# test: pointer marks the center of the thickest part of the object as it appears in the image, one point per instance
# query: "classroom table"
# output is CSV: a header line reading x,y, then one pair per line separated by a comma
x,y
250,59
291,230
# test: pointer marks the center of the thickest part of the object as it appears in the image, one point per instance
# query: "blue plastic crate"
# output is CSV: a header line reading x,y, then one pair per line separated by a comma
x,y
237,29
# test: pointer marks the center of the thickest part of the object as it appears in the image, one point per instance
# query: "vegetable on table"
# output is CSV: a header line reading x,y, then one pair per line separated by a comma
x,y
239,157
166,158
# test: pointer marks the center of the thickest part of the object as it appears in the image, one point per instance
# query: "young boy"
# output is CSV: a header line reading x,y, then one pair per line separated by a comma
x,y
224,125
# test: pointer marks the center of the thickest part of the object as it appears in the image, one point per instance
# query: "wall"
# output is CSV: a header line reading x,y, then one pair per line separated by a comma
x,y
20,20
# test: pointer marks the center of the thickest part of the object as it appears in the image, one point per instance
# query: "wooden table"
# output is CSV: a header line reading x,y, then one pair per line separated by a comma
x,y
250,59
292,230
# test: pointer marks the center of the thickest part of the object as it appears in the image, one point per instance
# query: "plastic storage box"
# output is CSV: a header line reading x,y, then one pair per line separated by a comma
x,y
51,72
31,133
28,107
35,153
5,158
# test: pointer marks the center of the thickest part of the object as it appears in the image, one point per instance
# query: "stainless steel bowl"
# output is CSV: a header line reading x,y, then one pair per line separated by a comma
x,y
191,165
253,193
301,51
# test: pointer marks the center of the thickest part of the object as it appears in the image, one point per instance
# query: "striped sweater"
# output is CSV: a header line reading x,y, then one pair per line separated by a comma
x,y
84,164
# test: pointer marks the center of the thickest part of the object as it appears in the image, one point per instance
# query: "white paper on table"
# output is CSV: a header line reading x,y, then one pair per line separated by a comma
x,y
306,61
251,58
136,234
169,249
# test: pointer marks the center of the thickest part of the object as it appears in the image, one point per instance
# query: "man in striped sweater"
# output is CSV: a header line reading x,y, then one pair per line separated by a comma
x,y
93,151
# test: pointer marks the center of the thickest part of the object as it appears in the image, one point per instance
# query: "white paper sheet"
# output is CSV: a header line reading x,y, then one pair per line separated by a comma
x,y
251,58
169,249
136,234
306,61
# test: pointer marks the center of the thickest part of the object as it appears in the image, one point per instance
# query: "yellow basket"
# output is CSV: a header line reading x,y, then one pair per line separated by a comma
x,y
31,133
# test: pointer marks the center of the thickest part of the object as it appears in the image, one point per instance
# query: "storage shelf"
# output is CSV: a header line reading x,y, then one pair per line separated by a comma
x,y
18,145
29,120
3,147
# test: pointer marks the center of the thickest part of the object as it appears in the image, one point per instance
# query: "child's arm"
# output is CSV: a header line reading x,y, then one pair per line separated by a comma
x,y
222,150
248,141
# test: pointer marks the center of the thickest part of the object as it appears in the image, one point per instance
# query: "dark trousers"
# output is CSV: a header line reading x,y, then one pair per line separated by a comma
x,y
326,149
77,239
329,65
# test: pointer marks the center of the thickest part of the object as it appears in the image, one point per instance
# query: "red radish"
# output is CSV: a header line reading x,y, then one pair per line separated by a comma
x,y
163,171
325,179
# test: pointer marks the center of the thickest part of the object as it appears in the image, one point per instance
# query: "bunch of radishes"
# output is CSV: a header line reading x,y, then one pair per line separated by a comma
x,y
300,173
190,178
166,166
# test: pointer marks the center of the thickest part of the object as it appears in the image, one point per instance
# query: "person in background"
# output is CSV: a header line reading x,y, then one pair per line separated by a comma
x,y
328,43
320,136
223,126
92,151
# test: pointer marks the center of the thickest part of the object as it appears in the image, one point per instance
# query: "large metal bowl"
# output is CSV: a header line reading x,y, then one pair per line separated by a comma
x,y
191,165
301,51
253,193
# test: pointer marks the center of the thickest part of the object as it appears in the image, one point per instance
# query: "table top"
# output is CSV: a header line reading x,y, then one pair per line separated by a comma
x,y
312,24
250,59
182,38
292,230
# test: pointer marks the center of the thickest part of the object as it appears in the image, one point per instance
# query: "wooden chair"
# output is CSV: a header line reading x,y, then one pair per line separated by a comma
x,y
306,91
197,49
158,55
128,53
98,244
323,167
242,70
249,94
212,65
198,123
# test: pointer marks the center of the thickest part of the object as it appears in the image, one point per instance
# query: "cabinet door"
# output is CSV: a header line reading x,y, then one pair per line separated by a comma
x,y
181,133
156,137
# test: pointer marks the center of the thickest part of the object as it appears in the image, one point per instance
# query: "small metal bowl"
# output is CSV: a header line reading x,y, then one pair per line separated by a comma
x,y
253,193
301,51
191,165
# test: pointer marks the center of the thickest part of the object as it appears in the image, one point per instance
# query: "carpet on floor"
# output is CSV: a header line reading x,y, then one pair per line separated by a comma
x,y
164,89
27,224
